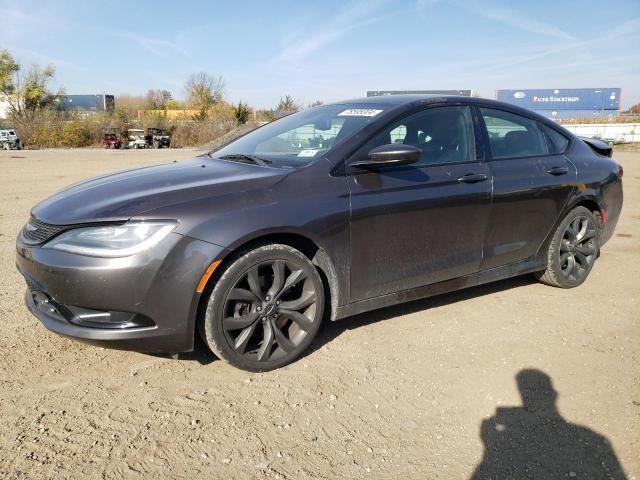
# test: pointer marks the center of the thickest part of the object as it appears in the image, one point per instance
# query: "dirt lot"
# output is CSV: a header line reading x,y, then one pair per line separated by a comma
x,y
398,393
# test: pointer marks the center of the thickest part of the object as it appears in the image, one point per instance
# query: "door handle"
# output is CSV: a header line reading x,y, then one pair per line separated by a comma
x,y
473,178
558,171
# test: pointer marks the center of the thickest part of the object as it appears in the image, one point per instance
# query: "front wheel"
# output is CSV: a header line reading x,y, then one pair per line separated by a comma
x,y
265,309
572,250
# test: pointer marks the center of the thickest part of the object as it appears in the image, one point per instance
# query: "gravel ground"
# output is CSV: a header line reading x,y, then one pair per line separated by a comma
x,y
397,393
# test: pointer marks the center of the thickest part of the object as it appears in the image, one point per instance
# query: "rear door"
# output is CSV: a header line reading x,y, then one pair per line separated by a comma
x,y
418,224
531,186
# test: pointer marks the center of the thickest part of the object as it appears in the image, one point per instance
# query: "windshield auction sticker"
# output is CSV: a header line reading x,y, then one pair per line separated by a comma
x,y
308,152
359,112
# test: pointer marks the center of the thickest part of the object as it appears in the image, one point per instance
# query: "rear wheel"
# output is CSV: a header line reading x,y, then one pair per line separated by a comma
x,y
265,309
572,251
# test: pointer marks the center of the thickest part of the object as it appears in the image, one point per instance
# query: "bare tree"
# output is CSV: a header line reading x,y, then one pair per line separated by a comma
x,y
157,99
317,103
287,105
203,92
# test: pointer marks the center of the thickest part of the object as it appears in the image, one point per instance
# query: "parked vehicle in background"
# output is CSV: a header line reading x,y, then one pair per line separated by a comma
x,y
322,214
157,138
110,138
9,140
136,138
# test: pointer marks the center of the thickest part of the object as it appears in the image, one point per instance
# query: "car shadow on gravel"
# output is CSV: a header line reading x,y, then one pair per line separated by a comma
x,y
330,330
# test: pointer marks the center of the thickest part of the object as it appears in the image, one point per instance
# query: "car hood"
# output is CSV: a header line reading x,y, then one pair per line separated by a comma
x,y
122,195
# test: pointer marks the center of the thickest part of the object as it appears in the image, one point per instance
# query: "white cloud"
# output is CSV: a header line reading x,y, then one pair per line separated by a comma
x,y
355,15
501,14
42,58
518,20
161,48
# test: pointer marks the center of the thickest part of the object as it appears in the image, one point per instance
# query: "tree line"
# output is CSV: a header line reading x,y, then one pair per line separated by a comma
x,y
33,110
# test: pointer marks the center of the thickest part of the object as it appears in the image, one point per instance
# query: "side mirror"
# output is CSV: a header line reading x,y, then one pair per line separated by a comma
x,y
388,156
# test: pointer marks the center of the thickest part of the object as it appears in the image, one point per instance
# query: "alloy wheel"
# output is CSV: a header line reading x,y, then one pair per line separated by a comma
x,y
578,247
269,310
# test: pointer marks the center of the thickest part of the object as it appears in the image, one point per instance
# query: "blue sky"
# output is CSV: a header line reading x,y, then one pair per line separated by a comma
x,y
329,50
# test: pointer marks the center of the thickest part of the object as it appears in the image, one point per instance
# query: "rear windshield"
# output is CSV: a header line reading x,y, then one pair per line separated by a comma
x,y
302,137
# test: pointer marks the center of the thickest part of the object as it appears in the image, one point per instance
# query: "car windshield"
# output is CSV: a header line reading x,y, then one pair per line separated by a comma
x,y
300,138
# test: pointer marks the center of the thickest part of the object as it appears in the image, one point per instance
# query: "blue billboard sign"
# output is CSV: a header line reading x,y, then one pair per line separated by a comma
x,y
593,99
578,114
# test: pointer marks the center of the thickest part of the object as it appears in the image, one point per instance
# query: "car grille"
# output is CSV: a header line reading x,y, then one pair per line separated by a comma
x,y
36,232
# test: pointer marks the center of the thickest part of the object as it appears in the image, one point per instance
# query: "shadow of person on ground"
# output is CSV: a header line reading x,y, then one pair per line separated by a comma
x,y
534,441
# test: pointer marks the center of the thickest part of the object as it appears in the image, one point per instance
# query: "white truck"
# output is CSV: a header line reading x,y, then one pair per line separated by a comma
x,y
9,140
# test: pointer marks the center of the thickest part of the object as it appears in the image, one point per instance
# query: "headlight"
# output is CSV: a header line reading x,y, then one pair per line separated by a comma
x,y
112,240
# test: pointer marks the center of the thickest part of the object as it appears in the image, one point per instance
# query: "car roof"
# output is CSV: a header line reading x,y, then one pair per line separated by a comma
x,y
393,102
393,99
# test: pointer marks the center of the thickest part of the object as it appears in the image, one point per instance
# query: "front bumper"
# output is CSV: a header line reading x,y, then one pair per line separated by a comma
x,y
154,292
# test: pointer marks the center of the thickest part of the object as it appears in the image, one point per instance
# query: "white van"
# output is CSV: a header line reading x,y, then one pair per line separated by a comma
x,y
9,140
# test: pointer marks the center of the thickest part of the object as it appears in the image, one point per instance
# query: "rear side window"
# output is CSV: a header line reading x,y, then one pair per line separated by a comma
x,y
512,135
556,141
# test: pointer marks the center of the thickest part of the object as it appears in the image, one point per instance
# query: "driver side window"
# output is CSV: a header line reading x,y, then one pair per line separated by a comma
x,y
443,134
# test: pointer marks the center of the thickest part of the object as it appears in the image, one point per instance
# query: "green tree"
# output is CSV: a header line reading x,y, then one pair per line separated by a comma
x,y
28,95
9,69
203,92
241,113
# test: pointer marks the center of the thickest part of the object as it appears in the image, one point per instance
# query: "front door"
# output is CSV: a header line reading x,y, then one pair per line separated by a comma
x,y
422,223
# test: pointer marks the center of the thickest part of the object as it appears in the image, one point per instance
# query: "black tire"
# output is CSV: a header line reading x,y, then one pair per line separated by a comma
x,y
572,251
265,309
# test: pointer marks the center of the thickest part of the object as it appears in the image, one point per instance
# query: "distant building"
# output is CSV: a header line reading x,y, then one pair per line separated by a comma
x,y
86,103
378,93
566,103
71,103
4,107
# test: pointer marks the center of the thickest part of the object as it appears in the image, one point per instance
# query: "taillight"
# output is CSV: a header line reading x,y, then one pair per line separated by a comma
x,y
620,171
